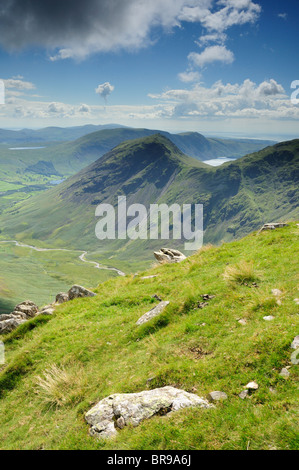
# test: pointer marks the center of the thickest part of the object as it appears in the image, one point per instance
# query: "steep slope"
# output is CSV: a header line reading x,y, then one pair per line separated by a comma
x,y
96,349
237,197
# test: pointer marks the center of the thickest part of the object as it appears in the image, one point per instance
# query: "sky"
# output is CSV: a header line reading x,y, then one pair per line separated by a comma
x,y
219,67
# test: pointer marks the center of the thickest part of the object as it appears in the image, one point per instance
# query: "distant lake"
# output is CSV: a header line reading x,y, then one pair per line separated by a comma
x,y
219,161
26,148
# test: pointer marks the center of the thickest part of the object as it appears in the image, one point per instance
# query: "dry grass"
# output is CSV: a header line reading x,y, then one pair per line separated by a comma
x,y
59,387
242,273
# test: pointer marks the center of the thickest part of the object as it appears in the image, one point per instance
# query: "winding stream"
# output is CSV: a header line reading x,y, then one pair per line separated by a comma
x,y
81,257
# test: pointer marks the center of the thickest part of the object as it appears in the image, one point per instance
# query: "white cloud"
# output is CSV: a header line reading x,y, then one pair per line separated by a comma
x,y
17,83
219,38
189,76
284,16
211,54
104,90
224,101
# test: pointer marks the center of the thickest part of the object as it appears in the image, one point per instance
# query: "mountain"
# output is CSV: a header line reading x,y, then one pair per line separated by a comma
x,y
71,157
49,134
237,197
58,367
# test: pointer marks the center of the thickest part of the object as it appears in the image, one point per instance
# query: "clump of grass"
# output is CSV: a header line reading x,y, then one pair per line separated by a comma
x,y
242,273
59,387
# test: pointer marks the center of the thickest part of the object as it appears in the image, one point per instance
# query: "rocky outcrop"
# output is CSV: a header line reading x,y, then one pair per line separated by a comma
x,y
169,255
120,410
154,312
7,326
22,312
78,292
272,226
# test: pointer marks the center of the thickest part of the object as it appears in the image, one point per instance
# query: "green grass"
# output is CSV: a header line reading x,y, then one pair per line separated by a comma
x,y
98,341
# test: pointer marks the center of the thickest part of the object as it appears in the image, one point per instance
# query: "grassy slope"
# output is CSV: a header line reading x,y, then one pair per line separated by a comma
x,y
39,276
103,352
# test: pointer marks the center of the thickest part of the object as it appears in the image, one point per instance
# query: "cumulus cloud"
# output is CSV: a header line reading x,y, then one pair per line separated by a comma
x,y
104,90
223,101
212,54
189,76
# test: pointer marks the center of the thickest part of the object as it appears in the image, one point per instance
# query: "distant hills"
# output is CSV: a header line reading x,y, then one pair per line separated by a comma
x,y
237,197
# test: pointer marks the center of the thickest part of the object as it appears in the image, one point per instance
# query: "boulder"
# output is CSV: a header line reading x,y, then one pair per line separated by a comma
x,y
154,312
79,291
273,226
28,308
120,410
217,396
7,326
169,255
61,298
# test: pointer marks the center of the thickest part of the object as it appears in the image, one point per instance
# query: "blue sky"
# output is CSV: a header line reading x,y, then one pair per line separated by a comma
x,y
213,66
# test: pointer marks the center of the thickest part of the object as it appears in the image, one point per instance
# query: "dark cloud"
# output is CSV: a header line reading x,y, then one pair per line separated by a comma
x,y
80,27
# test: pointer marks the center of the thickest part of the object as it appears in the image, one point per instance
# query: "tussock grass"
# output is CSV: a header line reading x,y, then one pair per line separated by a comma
x,y
59,387
242,273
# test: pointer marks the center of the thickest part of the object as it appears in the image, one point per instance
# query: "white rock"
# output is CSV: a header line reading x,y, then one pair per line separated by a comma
x,y
132,408
269,318
295,343
243,322
154,312
217,396
243,394
252,386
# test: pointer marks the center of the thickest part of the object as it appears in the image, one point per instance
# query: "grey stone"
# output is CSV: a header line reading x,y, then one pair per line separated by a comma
x,y
79,291
132,408
7,326
28,308
154,312
295,343
169,255
61,298
243,394
217,396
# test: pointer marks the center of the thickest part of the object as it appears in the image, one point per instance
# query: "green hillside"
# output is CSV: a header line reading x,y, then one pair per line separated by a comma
x,y
96,349
237,197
